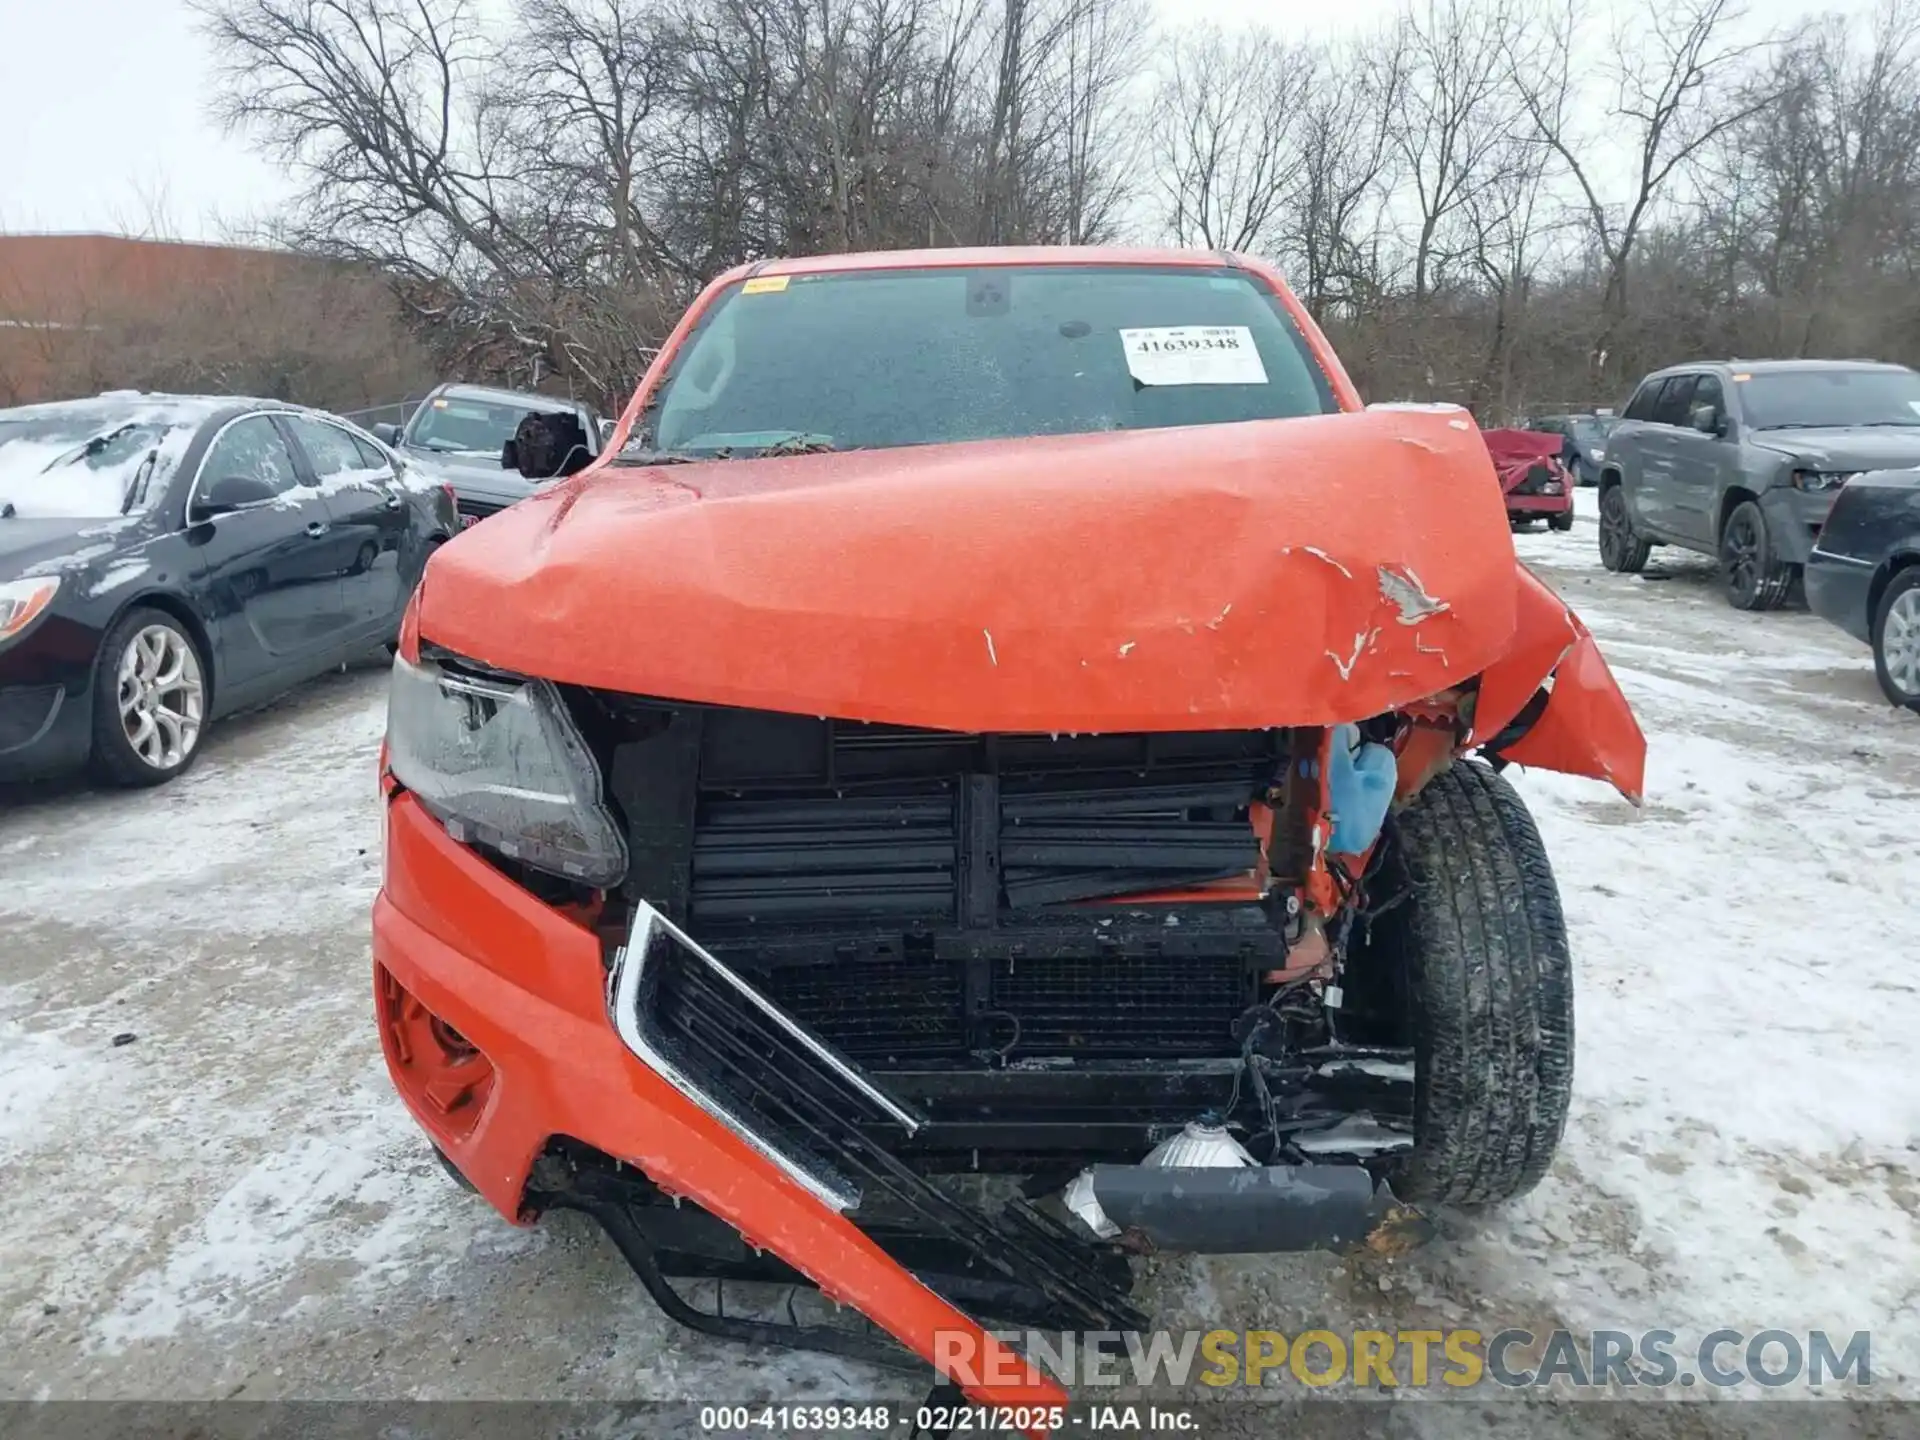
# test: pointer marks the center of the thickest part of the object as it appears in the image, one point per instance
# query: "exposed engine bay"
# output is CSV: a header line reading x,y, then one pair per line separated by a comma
x,y
887,955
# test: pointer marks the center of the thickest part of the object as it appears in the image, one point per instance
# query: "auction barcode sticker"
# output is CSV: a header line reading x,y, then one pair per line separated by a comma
x,y
1193,355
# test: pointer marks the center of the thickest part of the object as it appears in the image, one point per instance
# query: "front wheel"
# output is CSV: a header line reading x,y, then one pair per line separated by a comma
x,y
1896,639
1756,579
1489,983
1621,550
1561,522
149,700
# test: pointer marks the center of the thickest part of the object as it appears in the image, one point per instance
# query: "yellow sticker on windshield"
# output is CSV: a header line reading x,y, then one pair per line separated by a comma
x,y
764,284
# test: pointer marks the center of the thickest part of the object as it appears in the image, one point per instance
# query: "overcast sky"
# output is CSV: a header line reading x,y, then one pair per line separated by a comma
x,y
103,106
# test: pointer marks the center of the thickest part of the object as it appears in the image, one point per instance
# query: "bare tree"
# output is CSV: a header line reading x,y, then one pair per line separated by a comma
x,y
1346,154
1669,77
1454,114
1228,163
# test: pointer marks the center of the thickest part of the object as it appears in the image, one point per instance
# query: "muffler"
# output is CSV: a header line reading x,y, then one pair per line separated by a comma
x,y
1226,1204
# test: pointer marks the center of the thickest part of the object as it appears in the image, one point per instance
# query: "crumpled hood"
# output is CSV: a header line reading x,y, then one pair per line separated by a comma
x,y
1290,572
1839,448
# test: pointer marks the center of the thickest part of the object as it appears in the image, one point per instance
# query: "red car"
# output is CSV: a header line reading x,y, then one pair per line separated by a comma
x,y
1003,714
1533,477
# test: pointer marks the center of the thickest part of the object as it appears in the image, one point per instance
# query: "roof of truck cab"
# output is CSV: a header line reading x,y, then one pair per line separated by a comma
x,y
462,390
976,257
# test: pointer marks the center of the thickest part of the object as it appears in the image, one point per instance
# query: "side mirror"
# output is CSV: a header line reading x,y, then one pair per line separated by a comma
x,y
607,427
386,433
1707,420
510,455
233,492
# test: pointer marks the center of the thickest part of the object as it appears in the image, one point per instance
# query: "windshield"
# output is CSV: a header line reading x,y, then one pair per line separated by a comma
x,y
1590,431
87,461
1816,399
451,424
916,357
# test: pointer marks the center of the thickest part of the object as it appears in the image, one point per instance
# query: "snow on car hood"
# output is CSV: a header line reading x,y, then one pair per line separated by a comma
x,y
50,478
1288,572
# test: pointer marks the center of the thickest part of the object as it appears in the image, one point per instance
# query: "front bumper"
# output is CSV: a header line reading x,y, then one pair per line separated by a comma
x,y
524,987
1795,519
46,702
504,1031
1837,588
1536,505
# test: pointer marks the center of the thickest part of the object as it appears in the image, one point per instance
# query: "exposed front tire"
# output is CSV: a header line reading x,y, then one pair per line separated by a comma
x,y
1896,639
1489,983
1756,579
149,700
1621,550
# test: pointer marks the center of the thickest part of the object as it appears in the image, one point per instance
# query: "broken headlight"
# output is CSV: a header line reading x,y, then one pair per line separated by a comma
x,y
501,764
1821,479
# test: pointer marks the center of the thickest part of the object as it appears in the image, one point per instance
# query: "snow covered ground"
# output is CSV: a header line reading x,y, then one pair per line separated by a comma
x,y
230,1201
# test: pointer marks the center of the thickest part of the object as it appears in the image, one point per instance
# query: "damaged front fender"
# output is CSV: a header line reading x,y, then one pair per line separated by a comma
x,y
1552,702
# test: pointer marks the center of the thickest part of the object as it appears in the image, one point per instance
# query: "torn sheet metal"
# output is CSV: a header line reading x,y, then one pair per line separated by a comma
x,y
1587,727
859,584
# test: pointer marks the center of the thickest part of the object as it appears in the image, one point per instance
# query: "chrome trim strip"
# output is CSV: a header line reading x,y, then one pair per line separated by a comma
x,y
200,469
1835,556
623,1007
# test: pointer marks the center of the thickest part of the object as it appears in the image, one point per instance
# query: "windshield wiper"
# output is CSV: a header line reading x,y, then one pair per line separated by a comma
x,y
1884,424
663,457
797,445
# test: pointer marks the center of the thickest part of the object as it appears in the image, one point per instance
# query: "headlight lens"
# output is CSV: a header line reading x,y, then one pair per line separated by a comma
x,y
1821,479
1599,453
22,601
500,763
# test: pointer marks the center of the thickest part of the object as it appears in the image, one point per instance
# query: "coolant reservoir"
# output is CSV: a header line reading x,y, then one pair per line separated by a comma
x,y
1360,784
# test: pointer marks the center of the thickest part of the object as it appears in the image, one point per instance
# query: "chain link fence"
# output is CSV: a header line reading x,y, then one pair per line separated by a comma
x,y
395,413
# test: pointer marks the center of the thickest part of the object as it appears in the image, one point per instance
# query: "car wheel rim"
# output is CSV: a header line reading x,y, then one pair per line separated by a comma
x,y
1612,540
162,696
1900,643
1740,552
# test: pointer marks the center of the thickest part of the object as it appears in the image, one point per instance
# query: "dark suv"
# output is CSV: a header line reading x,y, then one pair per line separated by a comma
x,y
1742,459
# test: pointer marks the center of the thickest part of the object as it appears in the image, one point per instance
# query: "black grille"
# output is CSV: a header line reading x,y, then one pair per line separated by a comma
x,y
825,1122
1087,843
922,895
24,712
815,859
803,821
883,1011
1124,1005
1119,1004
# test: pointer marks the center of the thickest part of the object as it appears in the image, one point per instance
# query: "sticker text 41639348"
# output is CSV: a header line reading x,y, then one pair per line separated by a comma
x,y
1193,355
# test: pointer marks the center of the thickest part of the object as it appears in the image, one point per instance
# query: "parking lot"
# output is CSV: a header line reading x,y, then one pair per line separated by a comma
x,y
213,1192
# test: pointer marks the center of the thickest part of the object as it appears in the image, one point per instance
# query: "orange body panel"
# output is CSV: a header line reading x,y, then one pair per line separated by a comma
x,y
1281,573
526,987
1587,727
1224,576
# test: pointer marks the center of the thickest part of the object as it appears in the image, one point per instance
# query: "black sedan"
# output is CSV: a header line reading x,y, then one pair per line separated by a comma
x,y
166,560
1864,574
